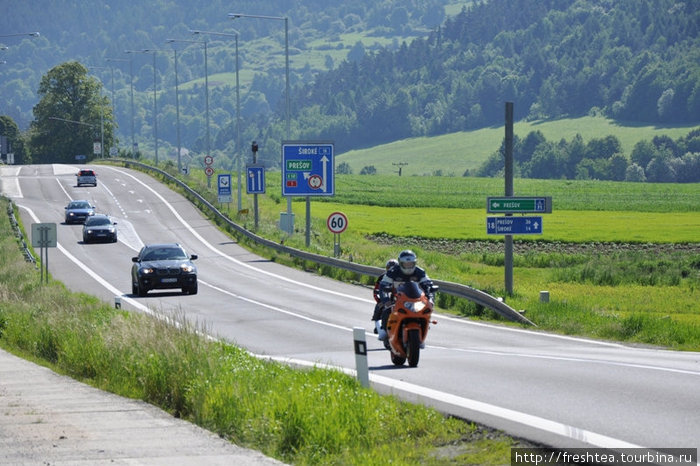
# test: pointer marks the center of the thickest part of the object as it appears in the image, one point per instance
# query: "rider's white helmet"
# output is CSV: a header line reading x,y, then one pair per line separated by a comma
x,y
407,262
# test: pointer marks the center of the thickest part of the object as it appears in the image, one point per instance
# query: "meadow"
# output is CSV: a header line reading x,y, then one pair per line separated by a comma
x,y
453,154
610,252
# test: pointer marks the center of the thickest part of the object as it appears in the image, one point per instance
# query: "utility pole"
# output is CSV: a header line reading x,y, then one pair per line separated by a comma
x,y
400,165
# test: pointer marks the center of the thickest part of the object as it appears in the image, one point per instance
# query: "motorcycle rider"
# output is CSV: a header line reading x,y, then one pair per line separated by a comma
x,y
406,270
377,316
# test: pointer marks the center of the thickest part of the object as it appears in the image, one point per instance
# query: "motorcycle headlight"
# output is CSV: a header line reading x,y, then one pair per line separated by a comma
x,y
417,306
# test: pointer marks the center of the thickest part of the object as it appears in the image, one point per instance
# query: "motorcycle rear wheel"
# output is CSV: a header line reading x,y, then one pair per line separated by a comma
x,y
413,348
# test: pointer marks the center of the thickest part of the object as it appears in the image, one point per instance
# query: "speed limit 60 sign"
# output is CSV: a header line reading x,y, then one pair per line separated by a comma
x,y
337,222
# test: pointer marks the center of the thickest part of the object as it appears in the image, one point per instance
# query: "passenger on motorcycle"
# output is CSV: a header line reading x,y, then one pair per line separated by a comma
x,y
406,270
377,316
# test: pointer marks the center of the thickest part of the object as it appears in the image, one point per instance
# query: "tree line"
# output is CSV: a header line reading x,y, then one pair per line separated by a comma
x,y
661,160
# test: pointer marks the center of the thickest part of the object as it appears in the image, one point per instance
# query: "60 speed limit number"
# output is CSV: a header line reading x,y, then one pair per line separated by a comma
x,y
337,222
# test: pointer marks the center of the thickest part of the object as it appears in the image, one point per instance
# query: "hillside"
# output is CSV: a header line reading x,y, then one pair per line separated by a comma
x,y
453,154
364,74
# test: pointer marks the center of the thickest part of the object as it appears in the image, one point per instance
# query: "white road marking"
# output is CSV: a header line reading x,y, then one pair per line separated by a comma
x,y
540,423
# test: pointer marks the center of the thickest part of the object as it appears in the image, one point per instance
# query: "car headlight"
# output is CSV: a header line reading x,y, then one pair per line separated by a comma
x,y
415,306
146,271
187,268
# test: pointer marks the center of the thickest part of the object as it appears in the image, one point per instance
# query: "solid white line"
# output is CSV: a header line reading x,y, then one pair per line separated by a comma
x,y
546,425
235,261
92,273
525,419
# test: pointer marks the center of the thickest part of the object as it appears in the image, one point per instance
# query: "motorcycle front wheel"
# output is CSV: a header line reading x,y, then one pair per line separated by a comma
x,y
397,360
413,347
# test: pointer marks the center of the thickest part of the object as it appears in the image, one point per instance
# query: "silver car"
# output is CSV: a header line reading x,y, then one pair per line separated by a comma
x,y
79,210
87,176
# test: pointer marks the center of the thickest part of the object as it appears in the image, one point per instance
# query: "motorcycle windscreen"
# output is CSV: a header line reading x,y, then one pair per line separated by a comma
x,y
411,289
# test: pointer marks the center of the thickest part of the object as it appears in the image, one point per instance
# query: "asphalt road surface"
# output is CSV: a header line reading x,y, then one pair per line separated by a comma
x,y
561,391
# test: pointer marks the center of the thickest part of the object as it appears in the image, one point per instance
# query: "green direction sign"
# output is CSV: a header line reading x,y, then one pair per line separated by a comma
x,y
512,205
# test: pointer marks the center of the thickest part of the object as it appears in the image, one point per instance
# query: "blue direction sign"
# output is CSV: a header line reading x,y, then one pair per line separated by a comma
x,y
224,185
307,169
514,225
255,179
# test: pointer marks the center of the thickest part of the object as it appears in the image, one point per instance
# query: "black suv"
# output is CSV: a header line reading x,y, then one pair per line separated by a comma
x,y
163,266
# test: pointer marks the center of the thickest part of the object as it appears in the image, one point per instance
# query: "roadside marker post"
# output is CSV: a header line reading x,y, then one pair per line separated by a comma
x,y
360,341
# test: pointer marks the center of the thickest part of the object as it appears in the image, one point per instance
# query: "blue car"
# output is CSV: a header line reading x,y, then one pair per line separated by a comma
x,y
78,211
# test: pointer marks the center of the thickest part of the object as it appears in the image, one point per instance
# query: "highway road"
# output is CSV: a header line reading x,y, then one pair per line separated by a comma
x,y
560,391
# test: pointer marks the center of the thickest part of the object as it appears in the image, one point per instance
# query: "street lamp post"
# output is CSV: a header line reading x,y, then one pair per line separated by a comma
x,y
238,108
290,224
102,115
131,85
286,54
206,93
114,108
31,34
177,111
155,97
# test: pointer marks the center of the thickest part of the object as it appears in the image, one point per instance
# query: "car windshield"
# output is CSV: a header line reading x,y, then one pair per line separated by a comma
x,y
92,221
78,205
86,173
160,254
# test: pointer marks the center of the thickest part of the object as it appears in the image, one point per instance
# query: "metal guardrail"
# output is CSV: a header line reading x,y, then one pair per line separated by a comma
x,y
18,232
455,289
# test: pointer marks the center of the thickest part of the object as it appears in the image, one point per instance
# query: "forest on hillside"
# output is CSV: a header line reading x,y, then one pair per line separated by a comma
x,y
634,60
629,59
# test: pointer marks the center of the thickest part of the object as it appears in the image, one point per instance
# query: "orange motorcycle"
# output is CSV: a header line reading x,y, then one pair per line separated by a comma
x,y
408,323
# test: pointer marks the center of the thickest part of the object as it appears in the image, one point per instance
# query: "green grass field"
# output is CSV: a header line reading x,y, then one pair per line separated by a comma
x,y
457,152
615,257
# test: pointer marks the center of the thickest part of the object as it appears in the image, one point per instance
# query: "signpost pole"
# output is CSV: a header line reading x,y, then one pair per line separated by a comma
x,y
254,148
508,259
308,221
45,240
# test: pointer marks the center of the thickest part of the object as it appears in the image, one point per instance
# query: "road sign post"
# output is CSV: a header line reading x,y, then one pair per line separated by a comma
x,y
337,222
521,205
307,170
44,237
514,225
208,169
224,186
255,179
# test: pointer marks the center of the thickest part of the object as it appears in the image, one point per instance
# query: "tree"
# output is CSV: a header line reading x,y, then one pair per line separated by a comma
x,y
343,169
15,141
635,173
642,153
69,116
